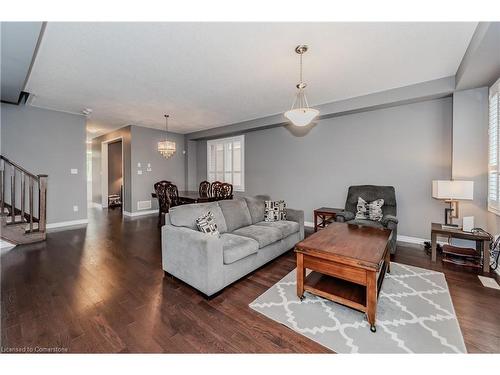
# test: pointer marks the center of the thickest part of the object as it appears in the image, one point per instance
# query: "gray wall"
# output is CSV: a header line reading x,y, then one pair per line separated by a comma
x,y
49,142
144,145
470,150
407,146
125,134
115,168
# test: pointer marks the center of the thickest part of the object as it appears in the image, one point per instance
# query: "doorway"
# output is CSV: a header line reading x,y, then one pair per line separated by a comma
x,y
112,173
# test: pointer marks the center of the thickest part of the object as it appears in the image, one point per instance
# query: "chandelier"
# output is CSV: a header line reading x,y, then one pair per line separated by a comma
x,y
166,148
300,114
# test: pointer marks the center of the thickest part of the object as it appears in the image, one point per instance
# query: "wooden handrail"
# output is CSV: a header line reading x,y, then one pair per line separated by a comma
x,y
20,168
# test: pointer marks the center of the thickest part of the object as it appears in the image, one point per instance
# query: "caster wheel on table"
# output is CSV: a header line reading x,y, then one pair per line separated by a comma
x,y
302,298
373,328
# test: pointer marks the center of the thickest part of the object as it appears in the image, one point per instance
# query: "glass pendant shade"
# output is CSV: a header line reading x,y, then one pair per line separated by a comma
x,y
166,148
300,114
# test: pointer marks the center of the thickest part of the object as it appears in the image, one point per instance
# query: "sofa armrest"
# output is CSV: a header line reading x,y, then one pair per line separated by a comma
x,y
193,257
390,221
344,216
298,217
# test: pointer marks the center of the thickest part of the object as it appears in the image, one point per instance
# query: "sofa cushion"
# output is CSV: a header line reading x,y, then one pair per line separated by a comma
x,y
263,235
256,207
237,247
366,223
235,213
186,215
286,227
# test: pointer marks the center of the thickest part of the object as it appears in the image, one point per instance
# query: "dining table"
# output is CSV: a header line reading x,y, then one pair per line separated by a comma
x,y
188,196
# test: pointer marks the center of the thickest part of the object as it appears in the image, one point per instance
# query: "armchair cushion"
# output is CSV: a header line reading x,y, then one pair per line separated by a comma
x,y
366,223
344,216
389,219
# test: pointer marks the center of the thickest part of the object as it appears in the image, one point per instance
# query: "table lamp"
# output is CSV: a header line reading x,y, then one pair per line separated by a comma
x,y
452,191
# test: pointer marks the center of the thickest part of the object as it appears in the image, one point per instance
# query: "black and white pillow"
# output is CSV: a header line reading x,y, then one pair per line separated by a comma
x,y
275,210
206,224
369,210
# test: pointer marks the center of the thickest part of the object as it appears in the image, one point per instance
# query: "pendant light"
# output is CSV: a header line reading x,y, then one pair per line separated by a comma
x,y
300,114
166,148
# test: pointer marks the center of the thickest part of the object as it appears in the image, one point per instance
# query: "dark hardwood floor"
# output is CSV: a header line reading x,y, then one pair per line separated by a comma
x,y
101,289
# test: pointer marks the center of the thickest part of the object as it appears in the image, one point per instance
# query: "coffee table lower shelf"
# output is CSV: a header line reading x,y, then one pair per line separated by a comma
x,y
336,290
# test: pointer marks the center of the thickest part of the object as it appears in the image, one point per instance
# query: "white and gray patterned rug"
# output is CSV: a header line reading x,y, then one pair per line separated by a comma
x,y
414,315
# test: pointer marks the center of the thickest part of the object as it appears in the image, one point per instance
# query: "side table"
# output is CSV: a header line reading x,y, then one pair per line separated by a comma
x,y
482,241
324,216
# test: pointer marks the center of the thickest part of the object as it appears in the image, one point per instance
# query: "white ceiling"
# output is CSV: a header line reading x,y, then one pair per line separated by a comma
x,y
212,74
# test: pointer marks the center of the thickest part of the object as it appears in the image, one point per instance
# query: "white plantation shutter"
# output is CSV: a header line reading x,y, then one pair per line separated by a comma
x,y
225,161
493,148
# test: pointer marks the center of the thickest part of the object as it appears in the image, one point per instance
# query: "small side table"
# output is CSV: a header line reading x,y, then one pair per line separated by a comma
x,y
481,240
326,215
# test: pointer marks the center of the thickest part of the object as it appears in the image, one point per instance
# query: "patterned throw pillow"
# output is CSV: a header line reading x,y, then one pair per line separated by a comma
x,y
275,211
369,210
206,224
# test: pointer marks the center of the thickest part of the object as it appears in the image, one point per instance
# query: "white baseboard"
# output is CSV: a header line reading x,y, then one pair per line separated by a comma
x,y
309,224
71,223
410,239
140,213
96,205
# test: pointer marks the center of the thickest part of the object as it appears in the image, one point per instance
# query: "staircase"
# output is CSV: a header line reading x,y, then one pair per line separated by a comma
x,y
23,206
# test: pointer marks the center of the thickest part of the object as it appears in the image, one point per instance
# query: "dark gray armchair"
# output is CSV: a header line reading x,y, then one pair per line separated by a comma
x,y
370,193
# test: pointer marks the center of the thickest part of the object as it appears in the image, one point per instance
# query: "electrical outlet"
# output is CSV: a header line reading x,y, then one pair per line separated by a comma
x,y
74,171
75,208
139,171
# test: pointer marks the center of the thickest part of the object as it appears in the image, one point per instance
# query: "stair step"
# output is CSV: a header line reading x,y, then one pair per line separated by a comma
x,y
17,221
6,245
17,234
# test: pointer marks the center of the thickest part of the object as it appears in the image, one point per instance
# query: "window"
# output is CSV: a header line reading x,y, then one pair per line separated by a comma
x,y
226,161
493,148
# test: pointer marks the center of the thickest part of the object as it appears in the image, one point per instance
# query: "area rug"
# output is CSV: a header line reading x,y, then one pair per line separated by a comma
x,y
414,315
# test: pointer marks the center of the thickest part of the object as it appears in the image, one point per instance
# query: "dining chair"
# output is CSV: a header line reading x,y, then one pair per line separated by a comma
x,y
225,191
164,203
215,190
173,194
204,189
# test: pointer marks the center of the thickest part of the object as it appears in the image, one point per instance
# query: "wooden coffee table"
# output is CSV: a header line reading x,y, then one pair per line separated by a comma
x,y
348,264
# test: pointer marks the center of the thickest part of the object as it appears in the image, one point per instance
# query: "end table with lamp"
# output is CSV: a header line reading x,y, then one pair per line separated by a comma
x,y
451,191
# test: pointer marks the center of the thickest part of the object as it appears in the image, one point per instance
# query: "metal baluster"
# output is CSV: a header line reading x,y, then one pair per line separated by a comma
x,y
31,203
13,195
23,195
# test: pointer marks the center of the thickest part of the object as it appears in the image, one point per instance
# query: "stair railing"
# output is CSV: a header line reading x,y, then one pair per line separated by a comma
x,y
34,183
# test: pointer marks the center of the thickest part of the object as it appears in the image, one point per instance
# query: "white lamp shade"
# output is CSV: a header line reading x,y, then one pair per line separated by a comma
x,y
301,116
446,189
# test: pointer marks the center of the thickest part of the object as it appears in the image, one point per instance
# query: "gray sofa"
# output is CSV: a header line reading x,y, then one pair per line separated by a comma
x,y
247,242
369,193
